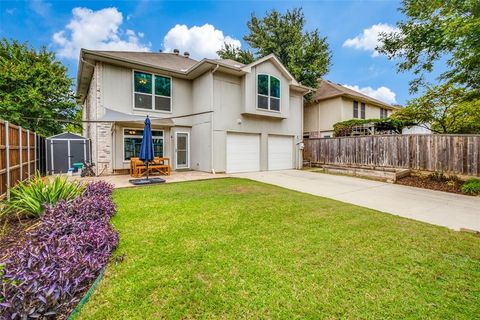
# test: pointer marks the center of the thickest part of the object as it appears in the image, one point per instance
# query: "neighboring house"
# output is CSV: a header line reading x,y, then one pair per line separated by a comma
x,y
209,115
334,103
416,130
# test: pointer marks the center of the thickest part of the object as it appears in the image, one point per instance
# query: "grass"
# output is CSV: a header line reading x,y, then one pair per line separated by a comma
x,y
234,248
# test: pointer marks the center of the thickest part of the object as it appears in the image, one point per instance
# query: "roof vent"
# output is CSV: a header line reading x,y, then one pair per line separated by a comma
x,y
176,51
186,54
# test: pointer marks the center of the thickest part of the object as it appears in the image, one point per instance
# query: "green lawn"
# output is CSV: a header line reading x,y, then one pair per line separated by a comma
x,y
233,248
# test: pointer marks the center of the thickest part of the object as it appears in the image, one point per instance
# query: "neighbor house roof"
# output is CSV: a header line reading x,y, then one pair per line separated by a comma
x,y
167,63
328,90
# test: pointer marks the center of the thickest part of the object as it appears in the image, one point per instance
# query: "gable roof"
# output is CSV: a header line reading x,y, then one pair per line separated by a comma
x,y
276,62
158,59
328,90
167,63
67,135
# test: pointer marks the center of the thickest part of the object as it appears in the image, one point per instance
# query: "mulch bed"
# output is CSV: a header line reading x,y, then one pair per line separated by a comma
x,y
452,185
13,232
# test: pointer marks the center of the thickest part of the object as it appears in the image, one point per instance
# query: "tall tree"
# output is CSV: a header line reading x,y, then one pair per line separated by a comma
x,y
437,31
34,88
304,53
231,52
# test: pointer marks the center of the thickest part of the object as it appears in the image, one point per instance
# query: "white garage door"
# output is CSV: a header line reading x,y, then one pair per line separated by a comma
x,y
243,152
280,153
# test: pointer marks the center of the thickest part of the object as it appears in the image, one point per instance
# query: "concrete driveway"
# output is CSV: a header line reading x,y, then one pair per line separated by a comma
x,y
444,209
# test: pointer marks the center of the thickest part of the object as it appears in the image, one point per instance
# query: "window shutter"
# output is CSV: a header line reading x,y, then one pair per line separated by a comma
x,y
362,111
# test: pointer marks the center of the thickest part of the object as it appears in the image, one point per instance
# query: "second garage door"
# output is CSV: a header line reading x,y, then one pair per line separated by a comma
x,y
243,152
280,152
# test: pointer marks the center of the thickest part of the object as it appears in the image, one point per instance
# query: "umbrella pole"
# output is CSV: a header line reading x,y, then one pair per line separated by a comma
x,y
147,170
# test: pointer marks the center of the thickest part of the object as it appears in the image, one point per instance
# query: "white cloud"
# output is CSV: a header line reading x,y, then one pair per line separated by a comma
x,y
41,7
382,93
368,39
97,30
201,42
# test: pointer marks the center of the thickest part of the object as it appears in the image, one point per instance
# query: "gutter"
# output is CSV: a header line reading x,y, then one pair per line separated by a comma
x,y
211,120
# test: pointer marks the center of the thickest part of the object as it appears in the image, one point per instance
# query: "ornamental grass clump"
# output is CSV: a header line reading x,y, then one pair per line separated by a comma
x,y
47,276
471,186
31,197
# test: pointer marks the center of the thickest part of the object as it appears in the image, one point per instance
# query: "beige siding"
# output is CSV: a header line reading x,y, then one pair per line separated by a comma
x,y
371,111
250,91
229,117
321,117
118,94
201,137
232,100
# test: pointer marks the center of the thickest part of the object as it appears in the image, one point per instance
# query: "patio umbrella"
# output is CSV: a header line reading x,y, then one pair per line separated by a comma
x,y
146,148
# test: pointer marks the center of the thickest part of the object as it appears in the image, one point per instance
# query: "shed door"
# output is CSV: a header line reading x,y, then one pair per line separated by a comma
x,y
243,152
280,152
78,151
58,156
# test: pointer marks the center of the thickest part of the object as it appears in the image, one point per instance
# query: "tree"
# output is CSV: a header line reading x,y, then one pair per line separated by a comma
x,y
434,31
305,54
34,88
231,52
443,109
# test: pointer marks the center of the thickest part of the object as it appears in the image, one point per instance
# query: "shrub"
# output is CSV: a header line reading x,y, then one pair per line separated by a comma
x,y
471,186
47,276
30,197
344,128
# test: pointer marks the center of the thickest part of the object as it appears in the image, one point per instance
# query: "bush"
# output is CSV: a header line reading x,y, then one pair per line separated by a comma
x,y
344,128
33,195
471,186
47,276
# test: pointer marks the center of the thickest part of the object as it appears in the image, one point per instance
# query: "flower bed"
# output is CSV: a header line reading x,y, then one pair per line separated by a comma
x,y
47,275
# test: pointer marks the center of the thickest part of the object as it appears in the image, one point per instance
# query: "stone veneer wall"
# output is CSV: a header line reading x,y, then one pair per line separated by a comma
x,y
99,133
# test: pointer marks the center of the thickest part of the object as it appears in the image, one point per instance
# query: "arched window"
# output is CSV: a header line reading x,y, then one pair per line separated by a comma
x,y
268,92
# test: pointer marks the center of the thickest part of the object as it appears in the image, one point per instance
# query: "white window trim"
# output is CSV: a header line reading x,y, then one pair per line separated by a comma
x,y
136,136
188,150
153,95
268,96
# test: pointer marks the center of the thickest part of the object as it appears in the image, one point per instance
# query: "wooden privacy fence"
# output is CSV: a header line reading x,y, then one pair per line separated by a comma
x,y
18,155
457,154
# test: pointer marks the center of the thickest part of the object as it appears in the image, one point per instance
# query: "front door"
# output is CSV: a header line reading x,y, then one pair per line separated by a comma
x,y
182,150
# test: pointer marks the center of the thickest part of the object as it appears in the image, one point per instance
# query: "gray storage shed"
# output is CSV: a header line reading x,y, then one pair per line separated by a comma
x,y
65,149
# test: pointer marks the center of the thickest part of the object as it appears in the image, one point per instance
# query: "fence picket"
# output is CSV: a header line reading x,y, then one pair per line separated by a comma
x,y
456,154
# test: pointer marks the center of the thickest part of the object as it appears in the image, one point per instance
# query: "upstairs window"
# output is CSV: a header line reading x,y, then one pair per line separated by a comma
x,y
362,110
383,113
268,92
355,109
152,92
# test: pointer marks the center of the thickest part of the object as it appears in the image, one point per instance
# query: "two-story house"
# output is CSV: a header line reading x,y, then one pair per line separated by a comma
x,y
334,103
211,115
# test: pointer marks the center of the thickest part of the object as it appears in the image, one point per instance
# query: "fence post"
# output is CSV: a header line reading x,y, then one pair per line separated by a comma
x,y
20,153
28,152
7,156
35,152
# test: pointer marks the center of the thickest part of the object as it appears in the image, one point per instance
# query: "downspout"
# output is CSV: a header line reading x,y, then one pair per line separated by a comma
x,y
300,142
211,120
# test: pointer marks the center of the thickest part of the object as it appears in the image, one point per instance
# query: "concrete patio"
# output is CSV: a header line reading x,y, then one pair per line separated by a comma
x,y
122,181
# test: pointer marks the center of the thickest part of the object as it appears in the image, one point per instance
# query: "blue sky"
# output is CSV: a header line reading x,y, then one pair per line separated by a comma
x,y
201,26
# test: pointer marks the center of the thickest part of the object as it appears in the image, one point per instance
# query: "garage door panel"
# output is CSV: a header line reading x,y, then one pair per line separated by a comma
x,y
280,153
243,152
